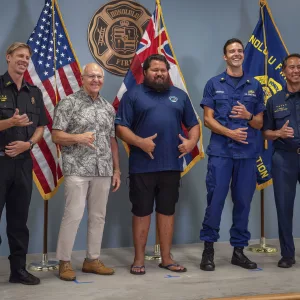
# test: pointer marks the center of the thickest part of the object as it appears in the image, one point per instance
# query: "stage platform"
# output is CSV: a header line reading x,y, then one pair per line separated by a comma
x,y
158,284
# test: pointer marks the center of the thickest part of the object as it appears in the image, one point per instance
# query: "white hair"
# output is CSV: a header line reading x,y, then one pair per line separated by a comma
x,y
84,67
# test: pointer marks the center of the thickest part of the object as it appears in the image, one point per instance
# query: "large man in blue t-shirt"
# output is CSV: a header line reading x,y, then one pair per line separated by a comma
x,y
149,119
233,110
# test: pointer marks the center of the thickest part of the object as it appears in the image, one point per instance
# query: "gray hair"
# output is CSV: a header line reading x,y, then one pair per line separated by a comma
x,y
84,67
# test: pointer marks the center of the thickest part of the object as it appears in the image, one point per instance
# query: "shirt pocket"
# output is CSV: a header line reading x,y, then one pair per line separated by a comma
x,y
222,106
6,110
281,117
250,103
33,114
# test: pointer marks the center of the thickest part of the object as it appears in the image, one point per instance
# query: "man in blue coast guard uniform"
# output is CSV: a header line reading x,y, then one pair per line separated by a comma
x,y
282,125
233,110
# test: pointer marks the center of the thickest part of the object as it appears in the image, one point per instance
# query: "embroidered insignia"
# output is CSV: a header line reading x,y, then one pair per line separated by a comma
x,y
173,99
3,98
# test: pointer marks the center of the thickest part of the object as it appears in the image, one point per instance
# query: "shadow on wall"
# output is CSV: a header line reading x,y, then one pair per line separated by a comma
x,y
22,27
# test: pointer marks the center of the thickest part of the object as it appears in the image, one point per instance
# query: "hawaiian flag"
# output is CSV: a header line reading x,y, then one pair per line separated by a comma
x,y
156,41
264,54
53,68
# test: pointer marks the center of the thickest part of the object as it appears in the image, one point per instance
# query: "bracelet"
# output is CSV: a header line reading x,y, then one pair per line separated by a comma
x,y
117,171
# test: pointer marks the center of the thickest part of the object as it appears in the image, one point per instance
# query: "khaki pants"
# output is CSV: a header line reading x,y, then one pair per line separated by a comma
x,y
77,190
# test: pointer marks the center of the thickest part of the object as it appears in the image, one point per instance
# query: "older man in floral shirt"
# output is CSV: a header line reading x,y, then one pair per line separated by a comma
x,y
84,126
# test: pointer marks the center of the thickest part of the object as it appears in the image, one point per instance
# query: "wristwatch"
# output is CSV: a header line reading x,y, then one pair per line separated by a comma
x,y
31,144
251,118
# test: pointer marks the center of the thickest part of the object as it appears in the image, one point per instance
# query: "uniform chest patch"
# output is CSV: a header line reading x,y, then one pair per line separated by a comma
x,y
173,99
32,100
250,93
281,107
3,98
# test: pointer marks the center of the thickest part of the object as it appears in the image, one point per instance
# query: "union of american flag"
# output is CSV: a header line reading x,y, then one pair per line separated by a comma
x,y
156,40
55,70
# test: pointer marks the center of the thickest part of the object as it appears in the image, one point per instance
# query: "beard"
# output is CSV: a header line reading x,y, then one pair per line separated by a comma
x,y
158,86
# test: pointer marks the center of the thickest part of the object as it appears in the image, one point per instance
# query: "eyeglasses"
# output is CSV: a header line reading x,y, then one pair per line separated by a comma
x,y
91,77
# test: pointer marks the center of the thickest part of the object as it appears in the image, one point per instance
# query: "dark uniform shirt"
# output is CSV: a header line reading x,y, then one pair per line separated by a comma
x,y
146,112
221,93
28,100
281,107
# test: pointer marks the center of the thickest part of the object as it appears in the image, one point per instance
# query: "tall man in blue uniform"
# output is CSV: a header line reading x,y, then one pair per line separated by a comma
x,y
22,120
149,120
233,110
282,125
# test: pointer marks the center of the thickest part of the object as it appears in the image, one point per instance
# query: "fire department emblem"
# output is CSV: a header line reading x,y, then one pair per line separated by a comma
x,y
114,33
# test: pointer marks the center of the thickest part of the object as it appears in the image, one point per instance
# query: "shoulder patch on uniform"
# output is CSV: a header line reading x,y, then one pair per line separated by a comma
x,y
173,99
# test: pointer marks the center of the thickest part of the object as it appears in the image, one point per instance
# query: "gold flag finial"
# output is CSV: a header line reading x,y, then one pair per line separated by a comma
x,y
263,2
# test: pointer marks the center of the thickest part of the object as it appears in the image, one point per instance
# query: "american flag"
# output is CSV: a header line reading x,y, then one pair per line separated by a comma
x,y
55,70
156,40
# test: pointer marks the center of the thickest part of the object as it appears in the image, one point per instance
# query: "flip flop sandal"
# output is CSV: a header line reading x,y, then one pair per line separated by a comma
x,y
168,267
137,267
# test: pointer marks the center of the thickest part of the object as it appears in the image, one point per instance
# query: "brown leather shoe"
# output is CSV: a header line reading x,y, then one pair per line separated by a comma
x,y
97,267
66,271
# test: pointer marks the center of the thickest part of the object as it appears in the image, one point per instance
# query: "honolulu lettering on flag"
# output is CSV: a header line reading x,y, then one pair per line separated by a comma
x,y
264,54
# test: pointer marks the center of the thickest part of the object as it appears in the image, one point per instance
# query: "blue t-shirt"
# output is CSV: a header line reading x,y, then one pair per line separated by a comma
x,y
146,112
221,94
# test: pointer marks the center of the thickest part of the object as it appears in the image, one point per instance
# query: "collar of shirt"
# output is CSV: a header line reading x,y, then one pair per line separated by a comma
x,y
7,81
87,97
245,79
289,95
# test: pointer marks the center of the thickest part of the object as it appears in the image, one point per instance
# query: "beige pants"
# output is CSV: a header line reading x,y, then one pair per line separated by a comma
x,y
77,190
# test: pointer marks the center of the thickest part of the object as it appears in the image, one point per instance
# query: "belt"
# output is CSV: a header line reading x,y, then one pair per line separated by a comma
x,y
294,150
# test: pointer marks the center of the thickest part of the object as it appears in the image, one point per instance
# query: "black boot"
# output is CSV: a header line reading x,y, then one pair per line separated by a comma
x,y
241,260
207,262
22,276
286,262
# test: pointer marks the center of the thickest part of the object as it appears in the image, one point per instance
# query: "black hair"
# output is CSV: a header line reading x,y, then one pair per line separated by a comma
x,y
284,62
159,57
231,41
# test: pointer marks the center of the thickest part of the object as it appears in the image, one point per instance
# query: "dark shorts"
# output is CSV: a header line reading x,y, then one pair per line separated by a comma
x,y
161,187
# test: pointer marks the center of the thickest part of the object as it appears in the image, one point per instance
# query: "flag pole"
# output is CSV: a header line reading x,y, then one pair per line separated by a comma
x,y
262,247
45,264
156,255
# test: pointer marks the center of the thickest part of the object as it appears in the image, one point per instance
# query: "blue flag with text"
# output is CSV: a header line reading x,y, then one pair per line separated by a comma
x,y
264,54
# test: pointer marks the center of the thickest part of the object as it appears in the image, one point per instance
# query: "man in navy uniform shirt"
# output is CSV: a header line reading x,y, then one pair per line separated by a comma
x,y
282,125
233,110
22,121
149,120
